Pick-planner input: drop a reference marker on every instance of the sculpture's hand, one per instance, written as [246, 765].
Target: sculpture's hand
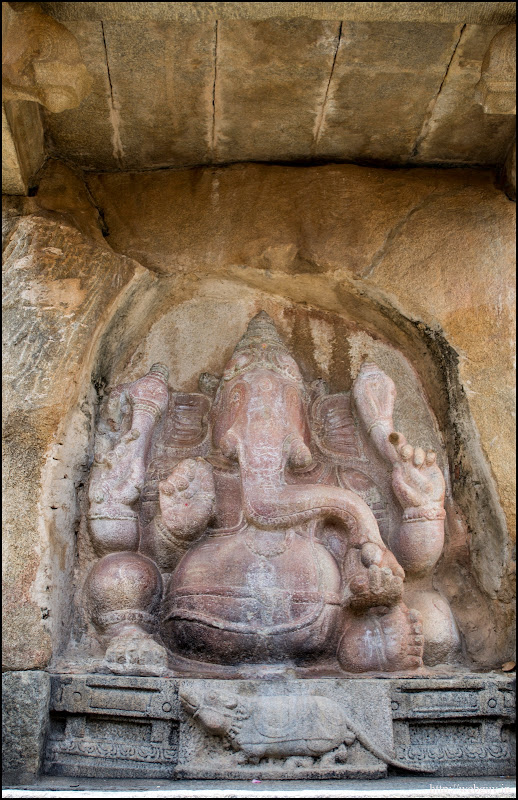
[187, 498]
[372, 577]
[374, 396]
[417, 481]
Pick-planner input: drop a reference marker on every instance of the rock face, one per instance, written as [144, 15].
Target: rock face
[25, 722]
[409, 271]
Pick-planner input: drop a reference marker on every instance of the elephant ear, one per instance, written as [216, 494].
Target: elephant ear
[333, 427]
[363, 485]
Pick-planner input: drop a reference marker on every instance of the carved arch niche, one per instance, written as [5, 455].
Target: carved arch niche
[170, 376]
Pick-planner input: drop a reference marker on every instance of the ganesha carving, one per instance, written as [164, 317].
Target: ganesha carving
[267, 553]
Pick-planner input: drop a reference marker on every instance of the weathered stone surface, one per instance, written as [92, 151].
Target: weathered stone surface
[22, 145]
[456, 127]
[88, 134]
[60, 290]
[173, 123]
[108, 726]
[487, 13]
[283, 89]
[40, 59]
[496, 90]
[124, 125]
[273, 74]
[375, 107]
[25, 720]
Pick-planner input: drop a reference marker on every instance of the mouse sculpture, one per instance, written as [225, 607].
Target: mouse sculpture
[280, 726]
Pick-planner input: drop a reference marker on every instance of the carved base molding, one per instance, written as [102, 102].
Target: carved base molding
[122, 726]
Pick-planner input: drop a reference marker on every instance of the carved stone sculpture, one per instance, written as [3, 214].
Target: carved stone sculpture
[260, 587]
[41, 61]
[255, 502]
[496, 89]
[419, 487]
[125, 588]
[281, 726]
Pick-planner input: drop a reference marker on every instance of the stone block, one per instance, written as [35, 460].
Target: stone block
[281, 728]
[22, 145]
[25, 717]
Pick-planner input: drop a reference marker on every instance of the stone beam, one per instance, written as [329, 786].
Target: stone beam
[476, 13]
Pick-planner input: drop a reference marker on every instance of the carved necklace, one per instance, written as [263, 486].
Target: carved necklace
[257, 541]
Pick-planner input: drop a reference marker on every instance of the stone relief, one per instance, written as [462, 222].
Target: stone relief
[302, 728]
[41, 61]
[248, 525]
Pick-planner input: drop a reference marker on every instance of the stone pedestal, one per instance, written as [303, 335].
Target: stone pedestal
[113, 726]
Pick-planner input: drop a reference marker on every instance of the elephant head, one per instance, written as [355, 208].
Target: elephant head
[259, 419]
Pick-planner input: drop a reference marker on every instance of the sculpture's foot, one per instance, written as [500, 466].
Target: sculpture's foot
[338, 756]
[383, 640]
[300, 762]
[135, 652]
[442, 644]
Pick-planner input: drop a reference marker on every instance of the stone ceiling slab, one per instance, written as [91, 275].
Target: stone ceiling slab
[85, 135]
[162, 79]
[152, 102]
[484, 13]
[458, 129]
[384, 78]
[226, 90]
[270, 87]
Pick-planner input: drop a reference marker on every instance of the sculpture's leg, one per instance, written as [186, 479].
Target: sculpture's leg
[381, 640]
[124, 591]
[442, 644]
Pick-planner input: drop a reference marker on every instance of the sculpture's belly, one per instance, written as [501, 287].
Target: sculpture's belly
[253, 596]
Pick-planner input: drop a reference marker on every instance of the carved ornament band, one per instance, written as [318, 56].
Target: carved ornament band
[148, 407]
[126, 615]
[386, 426]
[421, 514]
[330, 598]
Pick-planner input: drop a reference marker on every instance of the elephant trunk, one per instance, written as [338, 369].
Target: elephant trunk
[271, 503]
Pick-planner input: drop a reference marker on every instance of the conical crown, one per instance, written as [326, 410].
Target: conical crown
[260, 330]
[261, 347]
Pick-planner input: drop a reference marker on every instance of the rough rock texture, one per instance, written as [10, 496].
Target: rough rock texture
[347, 260]
[25, 721]
[235, 89]
[498, 13]
[59, 289]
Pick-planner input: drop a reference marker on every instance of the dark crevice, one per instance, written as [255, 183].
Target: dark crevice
[107, 63]
[425, 128]
[300, 163]
[314, 144]
[213, 130]
[118, 152]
